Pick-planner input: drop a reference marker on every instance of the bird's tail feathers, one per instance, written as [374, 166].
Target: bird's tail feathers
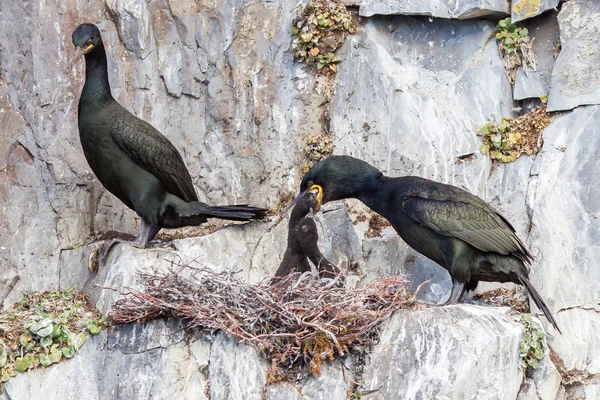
[539, 302]
[238, 212]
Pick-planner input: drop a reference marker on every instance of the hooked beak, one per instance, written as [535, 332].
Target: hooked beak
[319, 191]
[313, 189]
[80, 51]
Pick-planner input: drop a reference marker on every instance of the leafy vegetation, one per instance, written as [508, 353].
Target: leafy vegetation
[531, 347]
[506, 141]
[515, 47]
[320, 29]
[44, 328]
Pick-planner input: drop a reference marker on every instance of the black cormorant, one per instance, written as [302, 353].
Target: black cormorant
[449, 225]
[133, 160]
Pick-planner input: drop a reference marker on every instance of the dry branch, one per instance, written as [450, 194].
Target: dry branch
[296, 322]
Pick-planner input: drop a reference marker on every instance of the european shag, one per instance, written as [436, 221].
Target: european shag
[302, 242]
[449, 225]
[133, 160]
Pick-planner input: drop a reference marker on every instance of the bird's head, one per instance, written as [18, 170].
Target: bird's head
[306, 205]
[86, 38]
[338, 177]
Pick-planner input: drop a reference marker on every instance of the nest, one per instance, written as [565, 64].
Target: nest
[298, 322]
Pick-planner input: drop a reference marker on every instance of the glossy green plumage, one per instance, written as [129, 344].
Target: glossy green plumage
[449, 225]
[133, 160]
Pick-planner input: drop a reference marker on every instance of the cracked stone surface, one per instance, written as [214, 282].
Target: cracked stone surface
[524, 9]
[527, 391]
[575, 77]
[547, 379]
[565, 200]
[435, 8]
[218, 80]
[161, 360]
[490, 363]
[545, 35]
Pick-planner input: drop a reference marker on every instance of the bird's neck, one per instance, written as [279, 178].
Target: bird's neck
[96, 88]
[371, 193]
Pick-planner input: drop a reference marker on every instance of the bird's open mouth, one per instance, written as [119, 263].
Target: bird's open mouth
[314, 189]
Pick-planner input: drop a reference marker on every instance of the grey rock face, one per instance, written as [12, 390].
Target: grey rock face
[524, 9]
[576, 78]
[491, 364]
[388, 255]
[132, 366]
[547, 379]
[159, 360]
[450, 73]
[237, 372]
[545, 34]
[214, 78]
[527, 391]
[566, 200]
[218, 80]
[435, 8]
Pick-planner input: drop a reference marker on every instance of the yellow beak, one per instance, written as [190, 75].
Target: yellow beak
[79, 51]
[319, 191]
[313, 189]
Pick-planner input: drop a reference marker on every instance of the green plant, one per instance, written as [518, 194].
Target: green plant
[510, 35]
[515, 47]
[532, 346]
[320, 29]
[44, 328]
[505, 142]
[498, 142]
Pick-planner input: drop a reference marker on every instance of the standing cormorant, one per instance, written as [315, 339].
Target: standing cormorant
[449, 225]
[302, 242]
[133, 160]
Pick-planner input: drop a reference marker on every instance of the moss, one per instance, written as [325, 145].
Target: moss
[526, 8]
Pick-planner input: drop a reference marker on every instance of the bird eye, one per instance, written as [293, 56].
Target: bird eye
[309, 184]
[89, 42]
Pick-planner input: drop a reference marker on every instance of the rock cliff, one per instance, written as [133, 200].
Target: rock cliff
[218, 79]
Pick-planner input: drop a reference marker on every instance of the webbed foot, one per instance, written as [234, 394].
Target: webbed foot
[99, 255]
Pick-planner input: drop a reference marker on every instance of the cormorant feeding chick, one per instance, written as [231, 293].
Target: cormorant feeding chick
[133, 160]
[302, 242]
[449, 225]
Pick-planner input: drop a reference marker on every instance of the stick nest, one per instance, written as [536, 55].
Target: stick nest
[298, 322]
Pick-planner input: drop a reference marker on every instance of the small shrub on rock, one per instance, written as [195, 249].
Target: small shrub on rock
[320, 29]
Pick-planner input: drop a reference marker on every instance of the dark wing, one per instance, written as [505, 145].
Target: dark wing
[154, 153]
[454, 212]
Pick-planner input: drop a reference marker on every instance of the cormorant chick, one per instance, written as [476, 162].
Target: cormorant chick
[302, 243]
[449, 225]
[133, 160]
